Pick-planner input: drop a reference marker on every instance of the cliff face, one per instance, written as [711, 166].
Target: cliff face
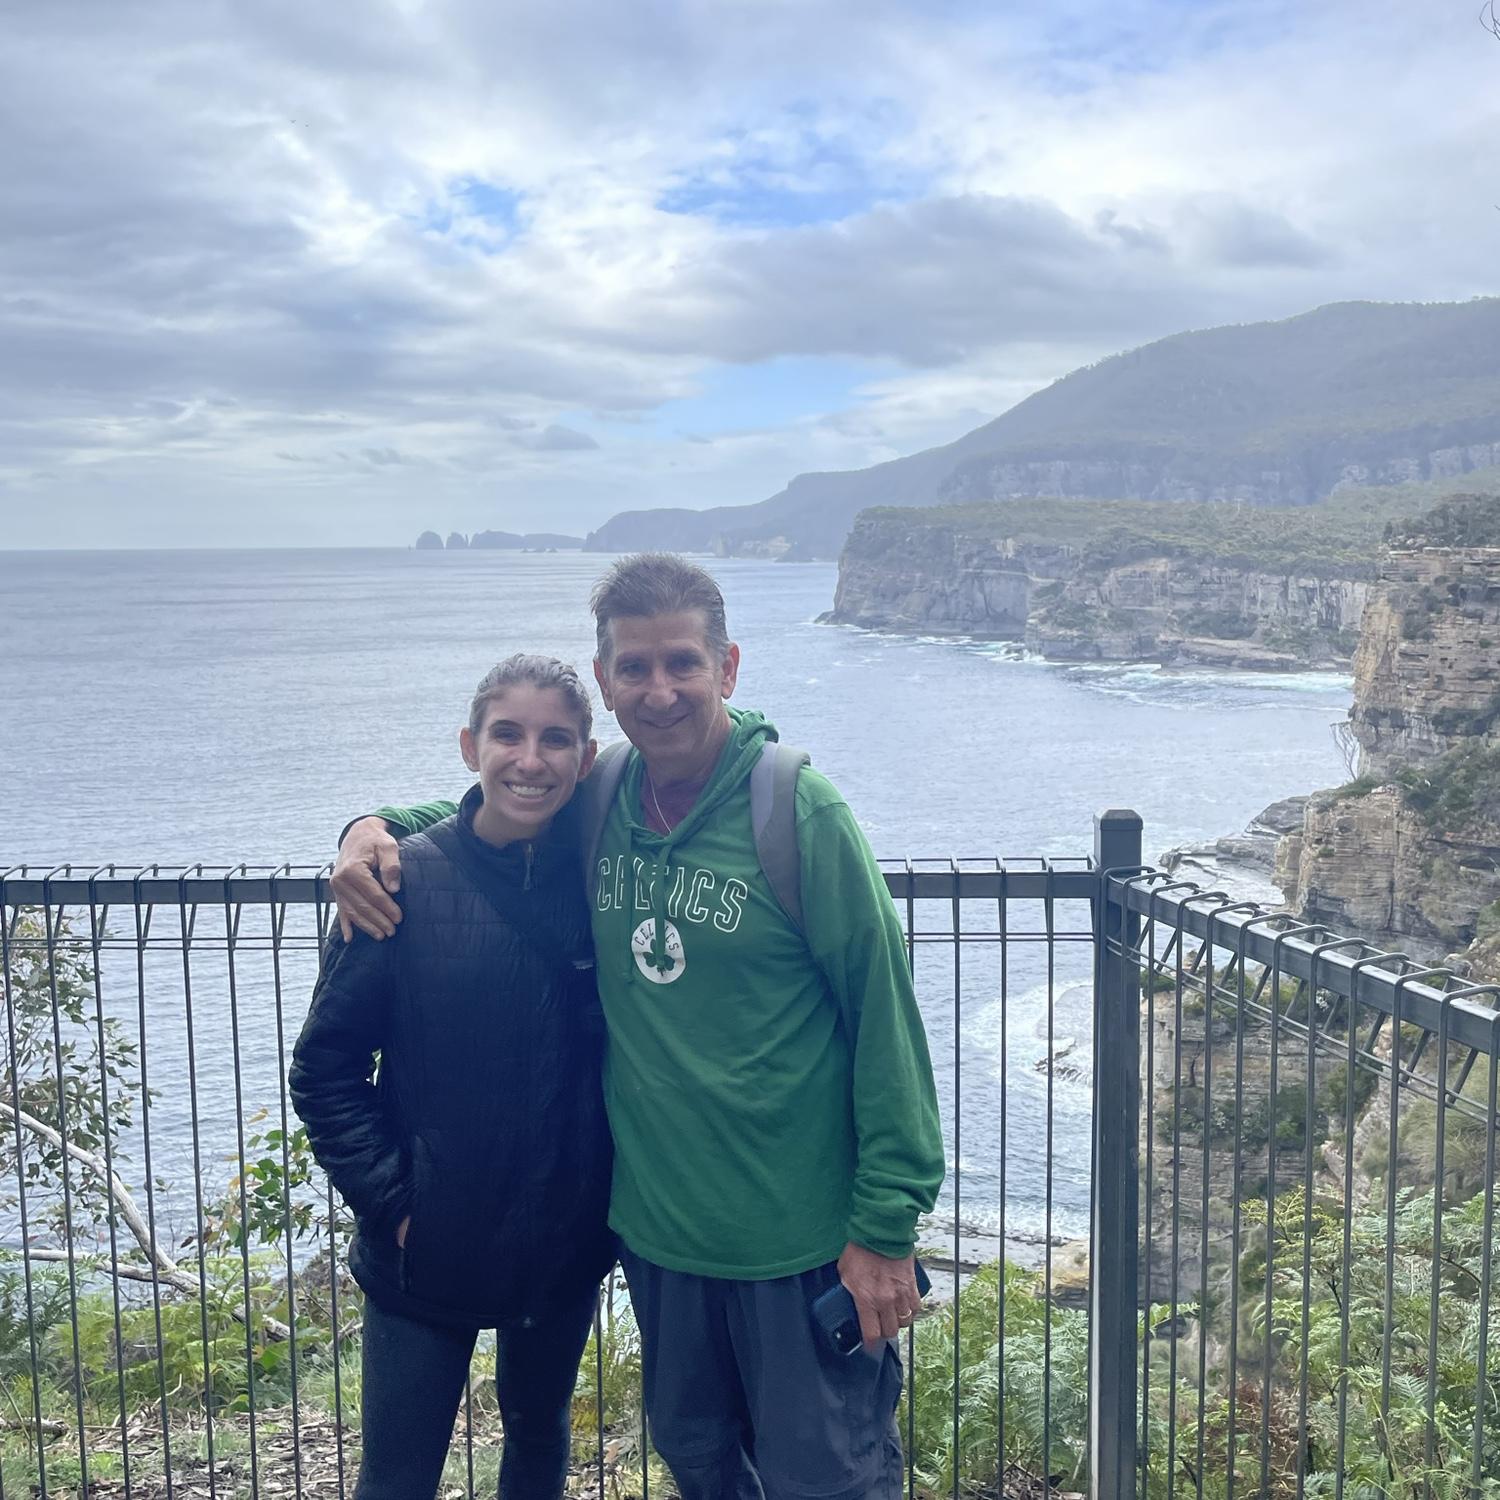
[1427, 669]
[1164, 473]
[1412, 847]
[1068, 604]
[1190, 609]
[1373, 863]
[931, 578]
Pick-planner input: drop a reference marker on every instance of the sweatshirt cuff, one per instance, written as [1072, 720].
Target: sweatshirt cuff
[894, 1240]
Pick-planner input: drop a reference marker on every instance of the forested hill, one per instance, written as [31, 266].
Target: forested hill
[1270, 413]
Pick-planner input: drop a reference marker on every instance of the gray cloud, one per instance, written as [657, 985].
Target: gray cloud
[556, 439]
[1227, 231]
[232, 264]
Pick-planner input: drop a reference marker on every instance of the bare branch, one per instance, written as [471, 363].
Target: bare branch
[1489, 18]
[167, 1271]
[126, 1205]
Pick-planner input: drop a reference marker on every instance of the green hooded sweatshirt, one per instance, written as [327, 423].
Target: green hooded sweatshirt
[769, 1090]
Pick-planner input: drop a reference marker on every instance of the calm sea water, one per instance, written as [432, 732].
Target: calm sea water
[240, 706]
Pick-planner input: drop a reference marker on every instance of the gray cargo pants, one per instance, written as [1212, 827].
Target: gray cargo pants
[745, 1400]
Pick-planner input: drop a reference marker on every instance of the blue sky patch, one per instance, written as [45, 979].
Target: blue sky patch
[470, 198]
[774, 393]
[798, 173]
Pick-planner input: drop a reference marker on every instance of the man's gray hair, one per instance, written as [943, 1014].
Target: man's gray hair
[658, 583]
[539, 671]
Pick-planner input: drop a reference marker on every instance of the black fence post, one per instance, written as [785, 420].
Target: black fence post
[1114, 1251]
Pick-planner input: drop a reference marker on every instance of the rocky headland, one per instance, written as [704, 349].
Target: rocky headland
[1410, 849]
[1117, 581]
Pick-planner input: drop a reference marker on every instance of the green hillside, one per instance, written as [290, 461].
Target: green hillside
[1284, 413]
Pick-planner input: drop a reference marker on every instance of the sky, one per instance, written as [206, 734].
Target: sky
[282, 274]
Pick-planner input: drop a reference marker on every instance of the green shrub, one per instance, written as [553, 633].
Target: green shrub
[977, 1456]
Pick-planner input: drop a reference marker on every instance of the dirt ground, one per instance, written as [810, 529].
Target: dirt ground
[320, 1464]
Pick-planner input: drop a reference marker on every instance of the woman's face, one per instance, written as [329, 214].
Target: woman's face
[530, 752]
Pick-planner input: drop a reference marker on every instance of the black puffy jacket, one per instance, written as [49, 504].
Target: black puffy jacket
[485, 1120]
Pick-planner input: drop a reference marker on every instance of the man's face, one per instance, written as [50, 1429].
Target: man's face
[667, 688]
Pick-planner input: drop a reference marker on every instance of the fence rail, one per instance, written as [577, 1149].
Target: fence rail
[1220, 1215]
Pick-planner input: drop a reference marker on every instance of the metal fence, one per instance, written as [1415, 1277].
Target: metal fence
[1219, 1216]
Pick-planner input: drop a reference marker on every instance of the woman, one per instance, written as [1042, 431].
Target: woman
[476, 1156]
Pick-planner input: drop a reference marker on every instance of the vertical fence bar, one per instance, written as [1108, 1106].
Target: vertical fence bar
[1003, 921]
[1114, 1253]
[1047, 909]
[1346, 1266]
[97, 924]
[1308, 1144]
[322, 912]
[10, 985]
[599, 1384]
[1206, 962]
[142, 938]
[1273, 1145]
[187, 914]
[958, 1170]
[56, 933]
[278, 932]
[1429, 1427]
[911, 1334]
[1237, 963]
[1482, 1395]
[231, 936]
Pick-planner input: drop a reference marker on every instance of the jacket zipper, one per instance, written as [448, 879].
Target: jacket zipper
[530, 853]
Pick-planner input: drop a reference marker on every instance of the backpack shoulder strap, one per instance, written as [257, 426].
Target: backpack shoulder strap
[596, 794]
[773, 818]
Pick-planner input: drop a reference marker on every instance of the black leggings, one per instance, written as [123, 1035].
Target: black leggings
[413, 1381]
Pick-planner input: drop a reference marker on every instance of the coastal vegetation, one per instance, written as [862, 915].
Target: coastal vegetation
[1342, 537]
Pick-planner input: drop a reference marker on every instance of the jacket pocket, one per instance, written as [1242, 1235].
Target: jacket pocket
[408, 1254]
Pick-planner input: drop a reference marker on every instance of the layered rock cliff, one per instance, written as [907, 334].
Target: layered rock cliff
[1076, 602]
[894, 576]
[1159, 472]
[1427, 669]
[1411, 847]
[1374, 862]
[1177, 608]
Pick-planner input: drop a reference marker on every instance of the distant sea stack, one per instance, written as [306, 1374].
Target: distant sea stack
[1268, 414]
[530, 541]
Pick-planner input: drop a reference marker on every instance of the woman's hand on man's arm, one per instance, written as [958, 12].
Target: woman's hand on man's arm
[365, 879]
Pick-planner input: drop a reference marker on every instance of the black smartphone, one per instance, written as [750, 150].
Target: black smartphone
[837, 1319]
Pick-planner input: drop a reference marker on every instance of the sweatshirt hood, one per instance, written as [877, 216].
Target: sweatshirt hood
[749, 731]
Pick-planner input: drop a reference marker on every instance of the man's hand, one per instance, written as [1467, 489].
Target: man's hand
[884, 1291]
[367, 874]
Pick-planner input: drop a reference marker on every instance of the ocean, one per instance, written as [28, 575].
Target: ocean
[232, 707]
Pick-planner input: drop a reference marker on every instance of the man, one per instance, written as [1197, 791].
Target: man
[768, 1086]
